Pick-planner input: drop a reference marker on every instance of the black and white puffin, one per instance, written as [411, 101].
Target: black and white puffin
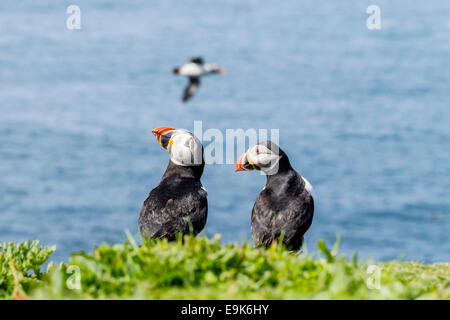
[285, 207]
[195, 69]
[179, 203]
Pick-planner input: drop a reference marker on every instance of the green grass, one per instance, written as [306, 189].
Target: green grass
[201, 268]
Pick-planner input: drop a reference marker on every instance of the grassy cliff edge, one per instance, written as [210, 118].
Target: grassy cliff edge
[202, 268]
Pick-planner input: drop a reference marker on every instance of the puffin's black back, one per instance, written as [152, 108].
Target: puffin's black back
[284, 207]
[197, 60]
[177, 205]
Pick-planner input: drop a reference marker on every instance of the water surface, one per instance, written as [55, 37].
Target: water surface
[364, 115]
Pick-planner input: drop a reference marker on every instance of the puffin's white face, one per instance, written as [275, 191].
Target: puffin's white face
[184, 148]
[259, 157]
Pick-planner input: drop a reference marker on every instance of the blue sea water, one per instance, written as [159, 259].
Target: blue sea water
[363, 114]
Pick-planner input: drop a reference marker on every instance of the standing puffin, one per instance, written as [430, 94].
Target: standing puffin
[179, 203]
[195, 69]
[285, 207]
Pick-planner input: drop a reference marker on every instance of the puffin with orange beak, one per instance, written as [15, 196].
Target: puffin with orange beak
[179, 203]
[194, 70]
[284, 209]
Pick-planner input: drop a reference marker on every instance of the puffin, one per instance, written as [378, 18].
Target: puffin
[178, 205]
[194, 70]
[284, 209]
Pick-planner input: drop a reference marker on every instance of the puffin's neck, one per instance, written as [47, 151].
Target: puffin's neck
[284, 173]
[192, 172]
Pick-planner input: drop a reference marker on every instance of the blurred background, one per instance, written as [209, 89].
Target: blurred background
[363, 115]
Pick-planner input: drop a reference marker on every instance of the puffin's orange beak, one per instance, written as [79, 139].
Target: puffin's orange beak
[222, 71]
[239, 163]
[242, 163]
[158, 132]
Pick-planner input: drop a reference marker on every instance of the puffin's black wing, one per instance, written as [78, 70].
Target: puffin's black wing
[192, 87]
[180, 207]
[289, 216]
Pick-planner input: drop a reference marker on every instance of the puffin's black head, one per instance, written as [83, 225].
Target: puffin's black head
[197, 60]
[184, 148]
[265, 156]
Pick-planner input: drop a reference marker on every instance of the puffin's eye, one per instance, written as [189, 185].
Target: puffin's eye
[248, 166]
[261, 150]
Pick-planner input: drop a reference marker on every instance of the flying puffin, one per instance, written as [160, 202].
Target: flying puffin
[195, 69]
[285, 207]
[179, 203]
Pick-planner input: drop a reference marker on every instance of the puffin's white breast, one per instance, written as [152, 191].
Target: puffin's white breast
[191, 70]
